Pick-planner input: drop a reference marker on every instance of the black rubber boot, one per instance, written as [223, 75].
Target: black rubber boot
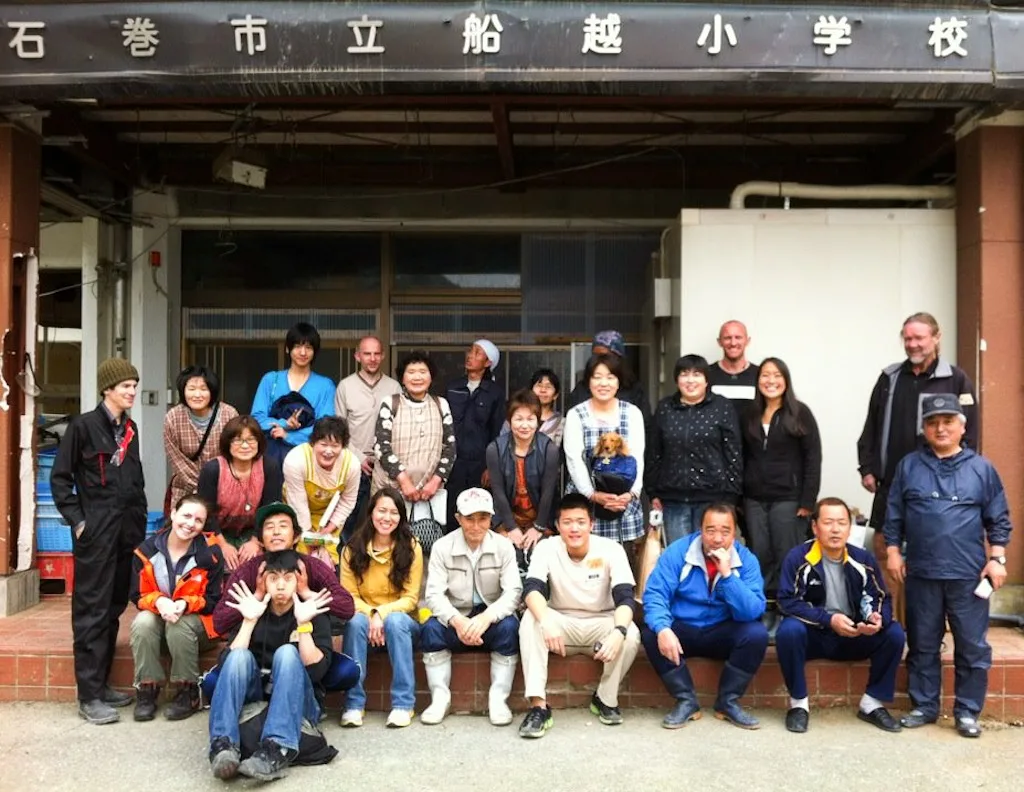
[679, 684]
[731, 687]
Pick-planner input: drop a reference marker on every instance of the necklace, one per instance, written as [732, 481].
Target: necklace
[244, 487]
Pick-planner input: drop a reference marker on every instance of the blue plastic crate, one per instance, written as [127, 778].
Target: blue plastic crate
[43, 490]
[53, 536]
[154, 522]
[47, 511]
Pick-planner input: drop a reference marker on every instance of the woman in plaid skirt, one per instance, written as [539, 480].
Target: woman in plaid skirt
[618, 517]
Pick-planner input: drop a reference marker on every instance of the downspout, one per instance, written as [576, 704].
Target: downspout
[26, 438]
[120, 345]
[826, 192]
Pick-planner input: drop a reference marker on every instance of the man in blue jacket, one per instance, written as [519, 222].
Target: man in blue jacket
[836, 607]
[705, 598]
[944, 503]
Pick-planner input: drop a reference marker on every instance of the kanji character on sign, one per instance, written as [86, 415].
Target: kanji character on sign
[716, 42]
[602, 36]
[27, 45]
[368, 45]
[482, 35]
[140, 36]
[947, 37]
[832, 33]
[254, 33]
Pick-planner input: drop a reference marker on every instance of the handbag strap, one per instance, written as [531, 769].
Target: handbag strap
[206, 435]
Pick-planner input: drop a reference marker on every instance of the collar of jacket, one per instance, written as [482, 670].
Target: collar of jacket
[695, 554]
[942, 369]
[459, 546]
[486, 383]
[815, 554]
[934, 461]
[679, 404]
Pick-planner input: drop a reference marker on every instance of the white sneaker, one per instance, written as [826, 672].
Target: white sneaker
[352, 718]
[399, 718]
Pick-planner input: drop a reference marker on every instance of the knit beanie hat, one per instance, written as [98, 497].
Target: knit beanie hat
[493, 355]
[114, 371]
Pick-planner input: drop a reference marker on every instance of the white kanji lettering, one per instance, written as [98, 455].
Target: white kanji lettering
[253, 31]
[27, 45]
[602, 36]
[947, 37]
[482, 35]
[716, 42]
[369, 44]
[140, 36]
[832, 33]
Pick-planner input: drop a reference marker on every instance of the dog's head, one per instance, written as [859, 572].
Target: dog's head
[611, 444]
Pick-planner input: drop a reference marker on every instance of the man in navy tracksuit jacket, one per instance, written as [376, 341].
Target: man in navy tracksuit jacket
[836, 607]
[944, 503]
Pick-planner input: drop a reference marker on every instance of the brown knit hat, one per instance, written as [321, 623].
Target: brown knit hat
[114, 371]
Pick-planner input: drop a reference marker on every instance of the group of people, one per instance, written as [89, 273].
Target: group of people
[468, 541]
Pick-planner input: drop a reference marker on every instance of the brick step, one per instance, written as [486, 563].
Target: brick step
[33, 676]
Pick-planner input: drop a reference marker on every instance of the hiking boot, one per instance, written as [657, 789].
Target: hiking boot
[224, 758]
[268, 762]
[115, 698]
[609, 716]
[537, 721]
[186, 702]
[97, 712]
[145, 701]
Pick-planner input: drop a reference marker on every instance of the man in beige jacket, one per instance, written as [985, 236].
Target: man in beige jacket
[473, 589]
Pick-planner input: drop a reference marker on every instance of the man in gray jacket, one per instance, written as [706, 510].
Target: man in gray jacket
[473, 590]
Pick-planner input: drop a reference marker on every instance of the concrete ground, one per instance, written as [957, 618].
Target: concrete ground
[47, 747]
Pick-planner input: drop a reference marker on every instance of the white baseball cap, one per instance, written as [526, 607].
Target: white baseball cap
[474, 501]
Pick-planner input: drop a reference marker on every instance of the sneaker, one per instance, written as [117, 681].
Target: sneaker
[399, 718]
[97, 712]
[352, 718]
[609, 716]
[186, 702]
[145, 702]
[268, 762]
[537, 721]
[224, 758]
[115, 698]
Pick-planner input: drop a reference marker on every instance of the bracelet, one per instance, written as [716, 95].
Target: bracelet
[623, 630]
[304, 628]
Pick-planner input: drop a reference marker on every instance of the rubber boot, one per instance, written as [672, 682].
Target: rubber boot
[439, 677]
[145, 701]
[503, 671]
[731, 687]
[679, 684]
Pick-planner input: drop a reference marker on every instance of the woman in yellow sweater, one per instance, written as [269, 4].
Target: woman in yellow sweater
[382, 568]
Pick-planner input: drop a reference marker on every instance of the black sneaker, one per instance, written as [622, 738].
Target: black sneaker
[97, 712]
[609, 716]
[537, 721]
[115, 698]
[270, 761]
[224, 758]
[186, 702]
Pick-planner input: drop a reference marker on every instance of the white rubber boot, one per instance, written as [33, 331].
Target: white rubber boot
[503, 671]
[439, 677]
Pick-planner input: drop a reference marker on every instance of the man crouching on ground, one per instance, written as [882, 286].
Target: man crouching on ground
[280, 652]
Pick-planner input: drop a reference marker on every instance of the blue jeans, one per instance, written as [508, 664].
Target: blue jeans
[929, 604]
[240, 682]
[501, 637]
[352, 522]
[681, 519]
[401, 633]
[796, 643]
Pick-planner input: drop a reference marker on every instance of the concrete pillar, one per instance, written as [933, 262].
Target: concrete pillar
[990, 297]
[20, 174]
[150, 344]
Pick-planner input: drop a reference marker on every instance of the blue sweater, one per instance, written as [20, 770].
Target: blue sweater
[318, 391]
[678, 588]
[944, 509]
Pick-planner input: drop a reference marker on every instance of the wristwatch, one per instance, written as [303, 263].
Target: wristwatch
[304, 628]
[622, 630]
[998, 559]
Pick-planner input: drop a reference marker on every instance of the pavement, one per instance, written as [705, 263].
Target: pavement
[46, 746]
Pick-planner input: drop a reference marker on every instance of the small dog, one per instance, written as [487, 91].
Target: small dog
[611, 444]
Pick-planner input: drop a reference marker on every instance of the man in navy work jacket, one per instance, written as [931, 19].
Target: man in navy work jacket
[836, 607]
[705, 598]
[945, 501]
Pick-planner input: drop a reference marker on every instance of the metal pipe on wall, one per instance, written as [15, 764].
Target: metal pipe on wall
[827, 192]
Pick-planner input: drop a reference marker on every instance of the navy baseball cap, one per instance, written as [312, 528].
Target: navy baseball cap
[940, 404]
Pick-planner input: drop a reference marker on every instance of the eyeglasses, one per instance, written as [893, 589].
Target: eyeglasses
[243, 441]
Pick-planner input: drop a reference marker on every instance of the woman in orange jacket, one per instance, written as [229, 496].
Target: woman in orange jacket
[176, 582]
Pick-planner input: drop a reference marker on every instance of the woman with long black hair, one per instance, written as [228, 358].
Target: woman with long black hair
[781, 471]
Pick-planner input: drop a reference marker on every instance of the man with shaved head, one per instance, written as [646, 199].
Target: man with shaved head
[734, 377]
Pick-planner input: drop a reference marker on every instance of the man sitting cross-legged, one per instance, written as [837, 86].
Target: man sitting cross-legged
[280, 653]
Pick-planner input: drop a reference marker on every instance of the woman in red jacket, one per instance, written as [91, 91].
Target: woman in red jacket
[176, 582]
